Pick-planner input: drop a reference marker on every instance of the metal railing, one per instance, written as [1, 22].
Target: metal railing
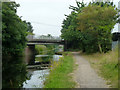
[42, 37]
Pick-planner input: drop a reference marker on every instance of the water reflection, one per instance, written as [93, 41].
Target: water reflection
[37, 79]
[56, 57]
[13, 72]
[38, 76]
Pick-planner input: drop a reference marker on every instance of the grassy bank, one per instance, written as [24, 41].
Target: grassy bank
[106, 65]
[60, 73]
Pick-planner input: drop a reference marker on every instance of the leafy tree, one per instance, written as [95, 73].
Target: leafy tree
[69, 32]
[89, 27]
[98, 21]
[30, 28]
[14, 32]
[80, 6]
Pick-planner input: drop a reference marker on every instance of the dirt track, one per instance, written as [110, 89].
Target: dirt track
[85, 76]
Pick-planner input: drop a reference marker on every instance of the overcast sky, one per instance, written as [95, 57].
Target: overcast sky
[46, 16]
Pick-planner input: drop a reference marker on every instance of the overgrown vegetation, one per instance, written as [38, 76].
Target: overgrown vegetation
[106, 65]
[59, 75]
[14, 32]
[47, 49]
[40, 49]
[44, 50]
[88, 27]
[44, 60]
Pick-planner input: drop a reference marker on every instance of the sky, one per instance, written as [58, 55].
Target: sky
[46, 16]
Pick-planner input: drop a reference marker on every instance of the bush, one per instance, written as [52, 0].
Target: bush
[40, 49]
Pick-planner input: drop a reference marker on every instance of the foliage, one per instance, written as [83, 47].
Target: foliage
[69, 32]
[29, 28]
[44, 50]
[13, 72]
[50, 49]
[99, 25]
[46, 36]
[41, 49]
[89, 27]
[14, 32]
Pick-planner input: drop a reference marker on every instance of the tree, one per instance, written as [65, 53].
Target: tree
[69, 32]
[89, 27]
[98, 21]
[30, 28]
[14, 32]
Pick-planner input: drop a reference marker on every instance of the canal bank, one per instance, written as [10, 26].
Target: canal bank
[61, 73]
[36, 75]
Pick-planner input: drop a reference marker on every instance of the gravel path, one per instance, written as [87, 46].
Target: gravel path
[85, 76]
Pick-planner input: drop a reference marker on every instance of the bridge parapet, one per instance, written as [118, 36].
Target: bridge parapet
[44, 38]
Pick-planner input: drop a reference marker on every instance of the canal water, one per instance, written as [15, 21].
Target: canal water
[38, 77]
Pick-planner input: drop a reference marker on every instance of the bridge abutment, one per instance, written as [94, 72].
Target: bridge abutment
[30, 54]
[65, 46]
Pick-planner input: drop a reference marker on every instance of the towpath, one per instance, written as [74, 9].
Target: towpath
[85, 76]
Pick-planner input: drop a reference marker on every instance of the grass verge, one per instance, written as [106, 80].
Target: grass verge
[106, 65]
[60, 73]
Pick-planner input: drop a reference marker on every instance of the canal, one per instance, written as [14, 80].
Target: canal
[38, 77]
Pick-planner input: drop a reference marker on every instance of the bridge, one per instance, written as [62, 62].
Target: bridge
[33, 40]
[40, 40]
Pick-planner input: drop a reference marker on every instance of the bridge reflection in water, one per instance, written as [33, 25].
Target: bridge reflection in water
[41, 40]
